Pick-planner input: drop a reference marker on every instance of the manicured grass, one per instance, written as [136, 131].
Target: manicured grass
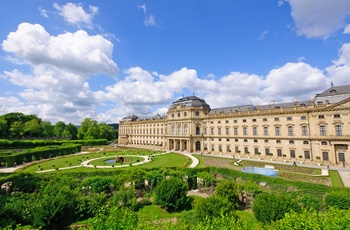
[152, 212]
[201, 162]
[335, 179]
[248, 217]
[167, 160]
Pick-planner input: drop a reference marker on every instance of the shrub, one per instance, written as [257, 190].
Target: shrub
[213, 206]
[339, 200]
[171, 193]
[228, 190]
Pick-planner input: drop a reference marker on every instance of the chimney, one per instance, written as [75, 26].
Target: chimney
[331, 83]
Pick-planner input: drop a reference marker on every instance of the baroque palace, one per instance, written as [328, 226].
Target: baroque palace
[309, 131]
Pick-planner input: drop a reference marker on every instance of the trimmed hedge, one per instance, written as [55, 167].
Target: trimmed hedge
[7, 144]
[39, 153]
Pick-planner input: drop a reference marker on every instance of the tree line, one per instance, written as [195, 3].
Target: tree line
[22, 126]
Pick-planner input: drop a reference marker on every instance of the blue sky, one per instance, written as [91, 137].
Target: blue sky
[66, 61]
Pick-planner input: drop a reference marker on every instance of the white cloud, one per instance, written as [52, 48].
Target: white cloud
[319, 18]
[75, 15]
[43, 12]
[341, 68]
[150, 19]
[262, 35]
[347, 29]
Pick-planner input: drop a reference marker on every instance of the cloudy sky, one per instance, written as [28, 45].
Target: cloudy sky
[103, 59]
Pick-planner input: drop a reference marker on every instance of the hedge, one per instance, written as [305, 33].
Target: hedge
[39, 153]
[7, 144]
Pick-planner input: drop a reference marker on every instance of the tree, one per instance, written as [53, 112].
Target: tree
[213, 206]
[88, 129]
[272, 207]
[32, 128]
[228, 190]
[106, 132]
[60, 126]
[47, 129]
[72, 131]
[171, 193]
[16, 129]
[3, 128]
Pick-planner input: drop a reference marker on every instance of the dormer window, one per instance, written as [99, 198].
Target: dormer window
[333, 91]
[320, 102]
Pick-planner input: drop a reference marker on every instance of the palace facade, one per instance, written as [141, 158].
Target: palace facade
[316, 131]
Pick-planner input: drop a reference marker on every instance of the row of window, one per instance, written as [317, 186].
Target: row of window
[197, 113]
[304, 131]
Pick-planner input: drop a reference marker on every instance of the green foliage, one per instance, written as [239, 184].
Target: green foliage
[171, 193]
[338, 199]
[306, 220]
[214, 206]
[97, 184]
[116, 218]
[228, 190]
[125, 197]
[272, 207]
[89, 205]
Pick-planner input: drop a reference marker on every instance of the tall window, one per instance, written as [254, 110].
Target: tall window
[304, 131]
[338, 130]
[255, 132]
[307, 154]
[292, 153]
[278, 131]
[227, 131]
[267, 151]
[198, 130]
[256, 151]
[173, 130]
[179, 130]
[211, 131]
[322, 130]
[246, 150]
[290, 131]
[279, 152]
[266, 131]
[235, 131]
[325, 156]
[205, 131]
[219, 131]
[244, 130]
[185, 130]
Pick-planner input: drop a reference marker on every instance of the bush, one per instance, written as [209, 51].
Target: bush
[228, 190]
[339, 200]
[213, 206]
[272, 207]
[171, 193]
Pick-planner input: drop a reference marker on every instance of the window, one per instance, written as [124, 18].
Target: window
[205, 131]
[255, 132]
[244, 130]
[227, 131]
[236, 140]
[219, 122]
[234, 121]
[278, 141]
[255, 141]
[336, 115]
[179, 130]
[291, 142]
[227, 139]
[172, 115]
[228, 148]
[254, 120]
[322, 130]
[178, 114]
[267, 151]
[307, 154]
[303, 117]
[219, 139]
[198, 130]
[266, 141]
[212, 122]
[236, 149]
[246, 150]
[256, 151]
[211, 131]
[264, 119]
[244, 120]
[227, 121]
[185, 130]
[289, 118]
[325, 156]
[235, 131]
[320, 116]
[279, 152]
[219, 131]
[245, 140]
[212, 147]
[304, 131]
[324, 143]
[197, 113]
[220, 148]
[338, 130]
[185, 114]
[305, 142]
[277, 118]
[290, 131]
[292, 153]
[278, 131]
[266, 131]
[173, 130]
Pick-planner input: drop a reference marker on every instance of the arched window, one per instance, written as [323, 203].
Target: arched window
[324, 143]
[305, 142]
[291, 142]
[179, 130]
[185, 130]
[198, 146]
[198, 130]
[173, 130]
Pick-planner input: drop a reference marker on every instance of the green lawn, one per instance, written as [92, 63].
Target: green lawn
[336, 179]
[129, 159]
[151, 212]
[168, 160]
[248, 217]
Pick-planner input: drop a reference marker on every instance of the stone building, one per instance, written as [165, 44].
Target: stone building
[317, 130]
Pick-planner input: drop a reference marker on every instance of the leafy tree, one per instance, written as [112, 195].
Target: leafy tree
[47, 129]
[32, 128]
[72, 131]
[60, 126]
[3, 127]
[208, 179]
[171, 193]
[272, 207]
[125, 197]
[106, 132]
[88, 206]
[16, 129]
[228, 190]
[88, 129]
